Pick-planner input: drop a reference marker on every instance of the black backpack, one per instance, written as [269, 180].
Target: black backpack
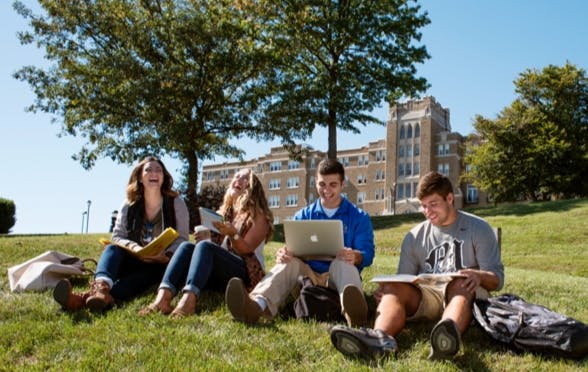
[317, 302]
[529, 327]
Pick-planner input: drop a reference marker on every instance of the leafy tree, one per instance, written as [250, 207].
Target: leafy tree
[537, 146]
[7, 215]
[151, 77]
[211, 197]
[339, 61]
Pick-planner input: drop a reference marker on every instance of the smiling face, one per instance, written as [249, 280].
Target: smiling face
[329, 187]
[152, 175]
[438, 210]
[240, 182]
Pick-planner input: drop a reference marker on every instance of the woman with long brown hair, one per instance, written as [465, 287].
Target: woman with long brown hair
[237, 251]
[150, 207]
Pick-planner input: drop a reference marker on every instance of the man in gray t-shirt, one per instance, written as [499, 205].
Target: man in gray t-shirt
[449, 241]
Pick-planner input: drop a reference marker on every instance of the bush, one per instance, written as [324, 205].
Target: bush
[7, 215]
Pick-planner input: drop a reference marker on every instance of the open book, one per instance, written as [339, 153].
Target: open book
[155, 247]
[429, 279]
[208, 216]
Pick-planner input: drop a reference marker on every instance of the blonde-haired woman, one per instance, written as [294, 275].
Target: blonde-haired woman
[238, 251]
[150, 207]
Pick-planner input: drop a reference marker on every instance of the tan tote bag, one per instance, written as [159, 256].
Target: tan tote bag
[45, 270]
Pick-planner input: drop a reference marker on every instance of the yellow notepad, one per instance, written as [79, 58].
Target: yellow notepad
[155, 247]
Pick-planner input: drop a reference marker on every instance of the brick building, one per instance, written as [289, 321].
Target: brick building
[381, 176]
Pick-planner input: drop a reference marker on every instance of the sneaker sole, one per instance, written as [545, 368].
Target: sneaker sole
[61, 293]
[355, 306]
[349, 344]
[234, 299]
[444, 340]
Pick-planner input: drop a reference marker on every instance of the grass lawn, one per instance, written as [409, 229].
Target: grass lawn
[544, 249]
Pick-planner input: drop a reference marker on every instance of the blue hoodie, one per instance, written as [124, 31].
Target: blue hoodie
[358, 232]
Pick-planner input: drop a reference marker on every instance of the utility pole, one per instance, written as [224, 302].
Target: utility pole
[83, 217]
[88, 216]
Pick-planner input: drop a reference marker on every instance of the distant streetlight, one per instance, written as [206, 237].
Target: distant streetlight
[83, 217]
[88, 216]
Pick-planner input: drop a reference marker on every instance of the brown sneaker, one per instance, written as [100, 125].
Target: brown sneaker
[354, 306]
[241, 306]
[69, 300]
[100, 298]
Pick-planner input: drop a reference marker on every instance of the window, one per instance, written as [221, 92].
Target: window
[416, 169]
[275, 166]
[379, 194]
[443, 169]
[273, 201]
[402, 132]
[344, 161]
[293, 164]
[400, 191]
[361, 179]
[408, 169]
[224, 174]
[312, 163]
[362, 160]
[401, 170]
[259, 168]
[409, 131]
[311, 181]
[311, 198]
[408, 190]
[274, 184]
[293, 182]
[380, 174]
[380, 155]
[409, 151]
[443, 149]
[417, 149]
[360, 197]
[401, 151]
[472, 194]
[417, 131]
[291, 200]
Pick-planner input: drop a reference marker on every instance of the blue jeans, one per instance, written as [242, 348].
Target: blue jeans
[200, 266]
[128, 275]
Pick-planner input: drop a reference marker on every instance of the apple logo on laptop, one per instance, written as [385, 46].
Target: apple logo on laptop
[314, 238]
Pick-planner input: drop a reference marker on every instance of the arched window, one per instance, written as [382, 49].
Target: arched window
[402, 132]
[409, 131]
[417, 131]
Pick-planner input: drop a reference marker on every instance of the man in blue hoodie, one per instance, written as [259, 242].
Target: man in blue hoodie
[342, 273]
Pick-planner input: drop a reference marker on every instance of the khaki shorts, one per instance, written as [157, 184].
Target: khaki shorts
[434, 300]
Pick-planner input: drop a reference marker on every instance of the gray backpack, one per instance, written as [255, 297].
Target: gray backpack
[529, 327]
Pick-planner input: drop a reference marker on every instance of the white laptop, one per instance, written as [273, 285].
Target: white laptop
[319, 239]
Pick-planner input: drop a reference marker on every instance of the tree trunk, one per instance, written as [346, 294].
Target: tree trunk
[191, 177]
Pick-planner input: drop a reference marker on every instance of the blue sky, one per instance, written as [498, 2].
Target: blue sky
[477, 48]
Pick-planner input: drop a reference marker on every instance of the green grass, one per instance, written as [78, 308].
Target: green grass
[544, 248]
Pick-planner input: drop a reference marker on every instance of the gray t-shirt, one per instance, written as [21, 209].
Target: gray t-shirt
[468, 243]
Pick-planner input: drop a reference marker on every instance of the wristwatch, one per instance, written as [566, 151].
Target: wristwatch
[236, 237]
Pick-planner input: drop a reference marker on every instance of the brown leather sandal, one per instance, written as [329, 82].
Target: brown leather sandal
[161, 304]
[185, 307]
